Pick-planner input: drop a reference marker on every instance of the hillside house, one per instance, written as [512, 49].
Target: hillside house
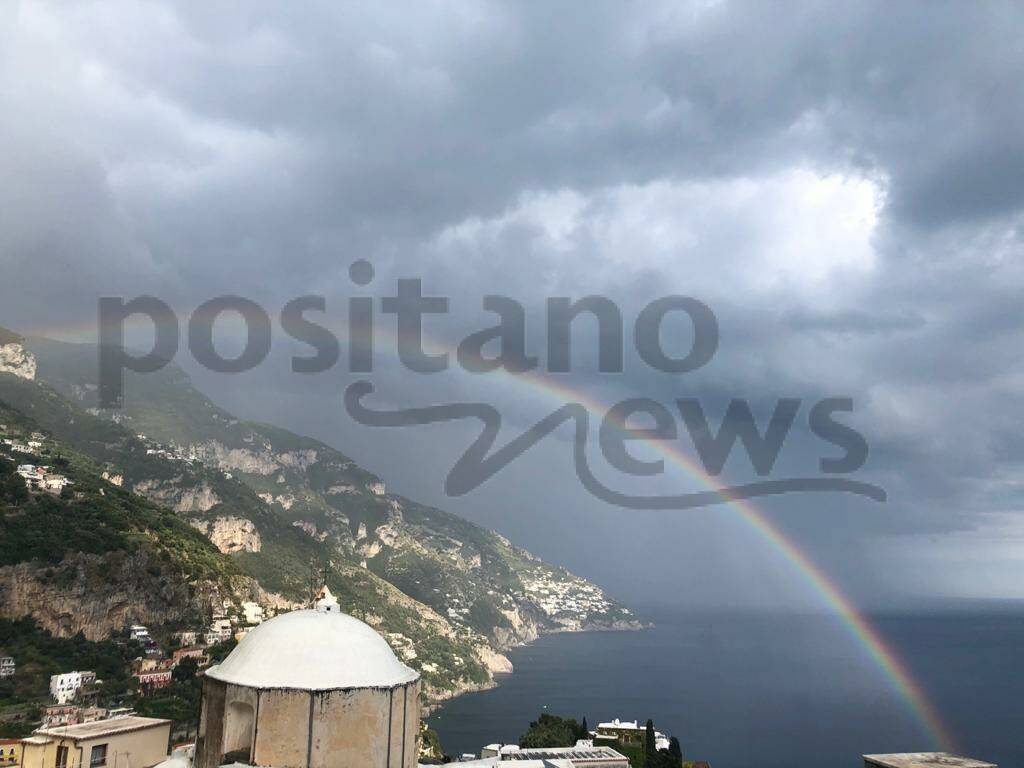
[630, 732]
[193, 652]
[7, 665]
[154, 680]
[10, 751]
[39, 478]
[220, 629]
[135, 741]
[253, 613]
[54, 483]
[55, 715]
[186, 638]
[65, 687]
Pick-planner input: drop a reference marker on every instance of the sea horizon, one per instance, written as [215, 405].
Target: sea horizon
[763, 688]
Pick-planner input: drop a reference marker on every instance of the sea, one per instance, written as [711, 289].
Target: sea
[766, 689]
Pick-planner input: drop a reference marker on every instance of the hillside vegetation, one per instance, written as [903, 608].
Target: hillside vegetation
[277, 507]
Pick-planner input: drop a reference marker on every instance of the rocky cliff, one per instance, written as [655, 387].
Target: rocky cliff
[16, 360]
[102, 594]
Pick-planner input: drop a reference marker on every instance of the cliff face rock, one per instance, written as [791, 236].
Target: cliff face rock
[248, 460]
[496, 663]
[520, 630]
[100, 594]
[231, 534]
[14, 358]
[200, 498]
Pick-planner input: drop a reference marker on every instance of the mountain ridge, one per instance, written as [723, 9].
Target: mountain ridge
[274, 501]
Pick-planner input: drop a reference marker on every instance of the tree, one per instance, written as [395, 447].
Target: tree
[584, 729]
[650, 751]
[186, 670]
[675, 751]
[14, 489]
[550, 731]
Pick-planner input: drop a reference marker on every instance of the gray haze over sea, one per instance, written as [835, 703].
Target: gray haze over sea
[767, 689]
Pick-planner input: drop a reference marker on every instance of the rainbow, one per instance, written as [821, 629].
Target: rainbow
[884, 657]
[888, 661]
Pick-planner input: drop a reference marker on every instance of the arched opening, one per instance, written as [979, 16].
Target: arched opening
[239, 723]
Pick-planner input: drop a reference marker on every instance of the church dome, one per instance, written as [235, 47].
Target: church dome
[313, 650]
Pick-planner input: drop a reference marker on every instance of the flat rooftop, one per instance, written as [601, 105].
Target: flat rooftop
[100, 728]
[568, 753]
[925, 760]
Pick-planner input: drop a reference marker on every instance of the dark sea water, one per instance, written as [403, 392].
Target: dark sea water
[767, 690]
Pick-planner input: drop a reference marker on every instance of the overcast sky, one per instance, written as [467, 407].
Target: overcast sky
[841, 183]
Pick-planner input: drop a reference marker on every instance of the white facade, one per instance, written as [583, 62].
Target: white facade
[253, 613]
[187, 637]
[64, 688]
[220, 630]
[7, 666]
[41, 478]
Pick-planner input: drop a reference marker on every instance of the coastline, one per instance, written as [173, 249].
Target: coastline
[434, 703]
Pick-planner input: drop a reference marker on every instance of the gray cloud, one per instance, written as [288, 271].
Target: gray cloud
[843, 185]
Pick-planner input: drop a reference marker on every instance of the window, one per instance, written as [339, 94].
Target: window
[98, 756]
[62, 757]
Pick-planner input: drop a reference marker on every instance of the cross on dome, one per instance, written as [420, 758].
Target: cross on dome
[325, 601]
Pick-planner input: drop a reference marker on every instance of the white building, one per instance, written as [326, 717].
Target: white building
[7, 666]
[40, 478]
[31, 474]
[630, 732]
[186, 638]
[54, 483]
[312, 688]
[583, 755]
[220, 630]
[139, 633]
[64, 687]
[125, 741]
[253, 613]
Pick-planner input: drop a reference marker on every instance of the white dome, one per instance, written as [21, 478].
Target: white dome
[313, 650]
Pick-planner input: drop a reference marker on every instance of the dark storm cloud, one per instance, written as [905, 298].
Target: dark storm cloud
[841, 183]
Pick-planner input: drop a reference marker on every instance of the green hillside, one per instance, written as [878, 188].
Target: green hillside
[449, 595]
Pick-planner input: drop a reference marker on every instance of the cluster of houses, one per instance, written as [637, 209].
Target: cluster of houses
[73, 697]
[36, 477]
[155, 669]
[153, 674]
[39, 478]
[33, 445]
[570, 601]
[73, 694]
